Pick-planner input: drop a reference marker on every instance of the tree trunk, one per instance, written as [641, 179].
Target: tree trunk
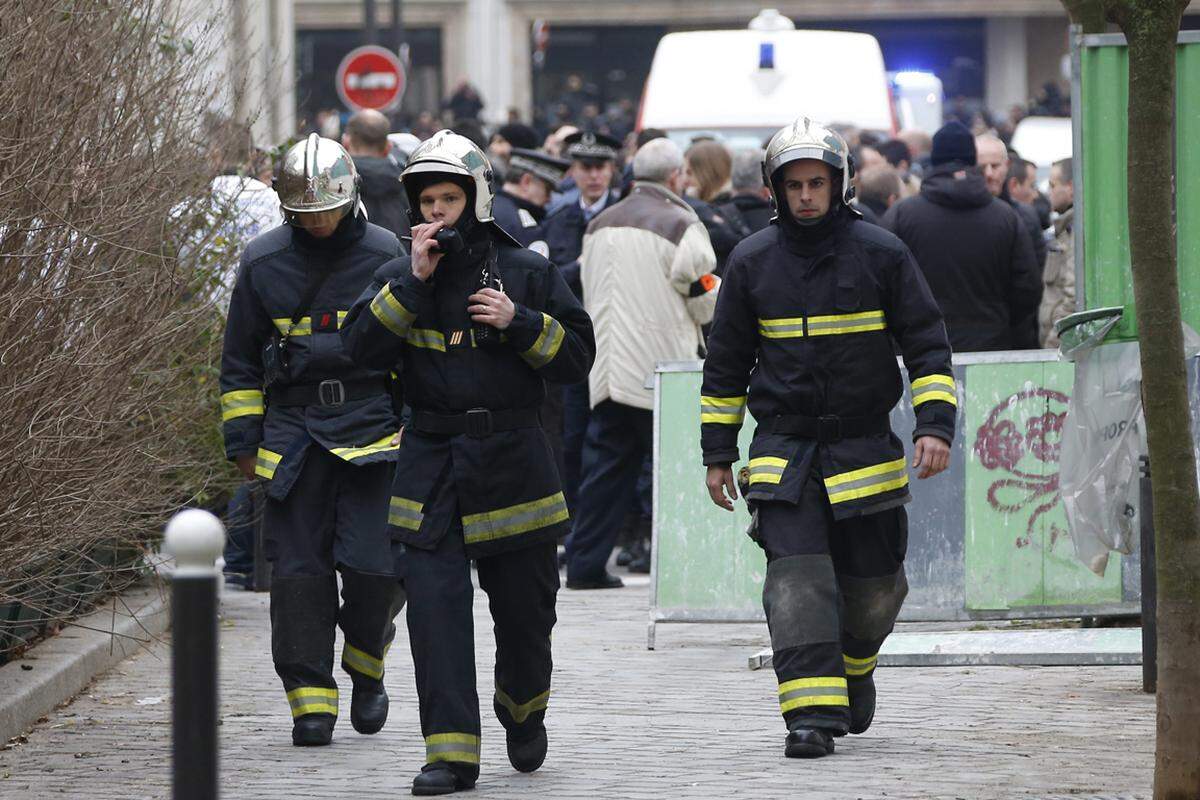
[1151, 28]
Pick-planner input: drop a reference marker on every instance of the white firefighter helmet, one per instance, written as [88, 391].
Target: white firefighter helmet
[807, 139]
[316, 176]
[449, 153]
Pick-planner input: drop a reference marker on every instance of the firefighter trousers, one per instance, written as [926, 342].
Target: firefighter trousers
[334, 520]
[832, 594]
[521, 586]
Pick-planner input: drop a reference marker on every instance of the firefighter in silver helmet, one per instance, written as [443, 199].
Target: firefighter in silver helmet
[803, 340]
[316, 429]
[476, 326]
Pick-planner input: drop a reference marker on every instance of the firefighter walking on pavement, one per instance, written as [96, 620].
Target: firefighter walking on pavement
[803, 338]
[476, 326]
[317, 429]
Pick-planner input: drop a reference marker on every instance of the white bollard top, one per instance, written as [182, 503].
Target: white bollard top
[196, 538]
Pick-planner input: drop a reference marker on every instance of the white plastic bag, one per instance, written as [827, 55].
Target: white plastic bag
[1101, 442]
[1103, 437]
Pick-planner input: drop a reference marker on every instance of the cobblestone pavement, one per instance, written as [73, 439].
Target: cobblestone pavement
[687, 720]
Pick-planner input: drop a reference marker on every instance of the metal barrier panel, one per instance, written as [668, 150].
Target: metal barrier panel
[987, 538]
[1103, 117]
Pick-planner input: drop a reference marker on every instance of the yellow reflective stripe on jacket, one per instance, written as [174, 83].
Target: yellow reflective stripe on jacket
[452, 747]
[546, 346]
[867, 481]
[859, 666]
[391, 313]
[405, 514]
[812, 692]
[241, 403]
[934, 387]
[516, 519]
[767, 469]
[303, 325]
[784, 328]
[723, 410]
[313, 700]
[428, 339]
[267, 461]
[824, 325]
[352, 453]
[846, 323]
[362, 662]
[521, 711]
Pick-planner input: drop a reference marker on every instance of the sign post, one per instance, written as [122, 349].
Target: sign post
[371, 77]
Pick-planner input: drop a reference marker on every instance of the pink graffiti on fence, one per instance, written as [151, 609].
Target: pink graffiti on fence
[1002, 446]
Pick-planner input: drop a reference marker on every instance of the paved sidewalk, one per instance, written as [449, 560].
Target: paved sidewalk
[687, 720]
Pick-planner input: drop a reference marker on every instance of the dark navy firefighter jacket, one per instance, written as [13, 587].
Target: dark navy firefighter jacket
[503, 487]
[271, 282]
[809, 331]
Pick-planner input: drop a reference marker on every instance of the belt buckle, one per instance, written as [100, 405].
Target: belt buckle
[331, 393]
[479, 422]
[829, 428]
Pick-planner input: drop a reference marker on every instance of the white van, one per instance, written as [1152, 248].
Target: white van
[741, 86]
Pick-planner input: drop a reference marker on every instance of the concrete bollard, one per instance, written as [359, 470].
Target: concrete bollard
[195, 538]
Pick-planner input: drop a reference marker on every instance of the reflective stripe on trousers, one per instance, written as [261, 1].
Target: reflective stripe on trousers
[313, 700]
[802, 692]
[452, 747]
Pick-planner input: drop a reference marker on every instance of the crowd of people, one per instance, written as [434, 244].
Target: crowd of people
[477, 366]
[996, 251]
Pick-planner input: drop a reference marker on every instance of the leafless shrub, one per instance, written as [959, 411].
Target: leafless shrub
[110, 247]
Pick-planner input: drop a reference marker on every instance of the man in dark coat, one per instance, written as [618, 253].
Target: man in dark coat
[972, 248]
[520, 206]
[317, 429]
[365, 139]
[750, 207]
[475, 326]
[808, 321]
[996, 164]
[593, 164]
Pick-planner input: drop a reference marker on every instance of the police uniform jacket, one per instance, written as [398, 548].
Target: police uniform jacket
[519, 218]
[564, 229]
[502, 486]
[275, 271]
[810, 330]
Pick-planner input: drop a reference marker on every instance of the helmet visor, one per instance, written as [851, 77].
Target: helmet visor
[317, 220]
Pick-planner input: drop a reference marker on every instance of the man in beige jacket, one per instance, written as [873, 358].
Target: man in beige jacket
[648, 284]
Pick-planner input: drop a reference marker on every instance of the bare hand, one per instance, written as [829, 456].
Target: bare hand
[932, 456]
[719, 481]
[491, 307]
[396, 439]
[246, 464]
[425, 255]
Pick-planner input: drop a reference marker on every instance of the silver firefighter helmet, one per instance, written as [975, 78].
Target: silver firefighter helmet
[317, 176]
[448, 153]
[807, 139]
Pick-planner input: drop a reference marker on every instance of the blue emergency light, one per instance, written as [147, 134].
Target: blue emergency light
[766, 55]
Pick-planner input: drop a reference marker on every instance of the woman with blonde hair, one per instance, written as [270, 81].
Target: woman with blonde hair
[708, 168]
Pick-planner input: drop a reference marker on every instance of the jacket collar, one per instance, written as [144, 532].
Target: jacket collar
[651, 189]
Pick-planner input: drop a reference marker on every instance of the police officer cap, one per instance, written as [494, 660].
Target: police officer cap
[541, 165]
[588, 146]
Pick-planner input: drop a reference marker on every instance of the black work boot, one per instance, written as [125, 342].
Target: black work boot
[368, 707]
[808, 743]
[862, 702]
[439, 779]
[526, 754]
[313, 730]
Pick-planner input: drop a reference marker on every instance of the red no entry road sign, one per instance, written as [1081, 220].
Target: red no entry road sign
[371, 77]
